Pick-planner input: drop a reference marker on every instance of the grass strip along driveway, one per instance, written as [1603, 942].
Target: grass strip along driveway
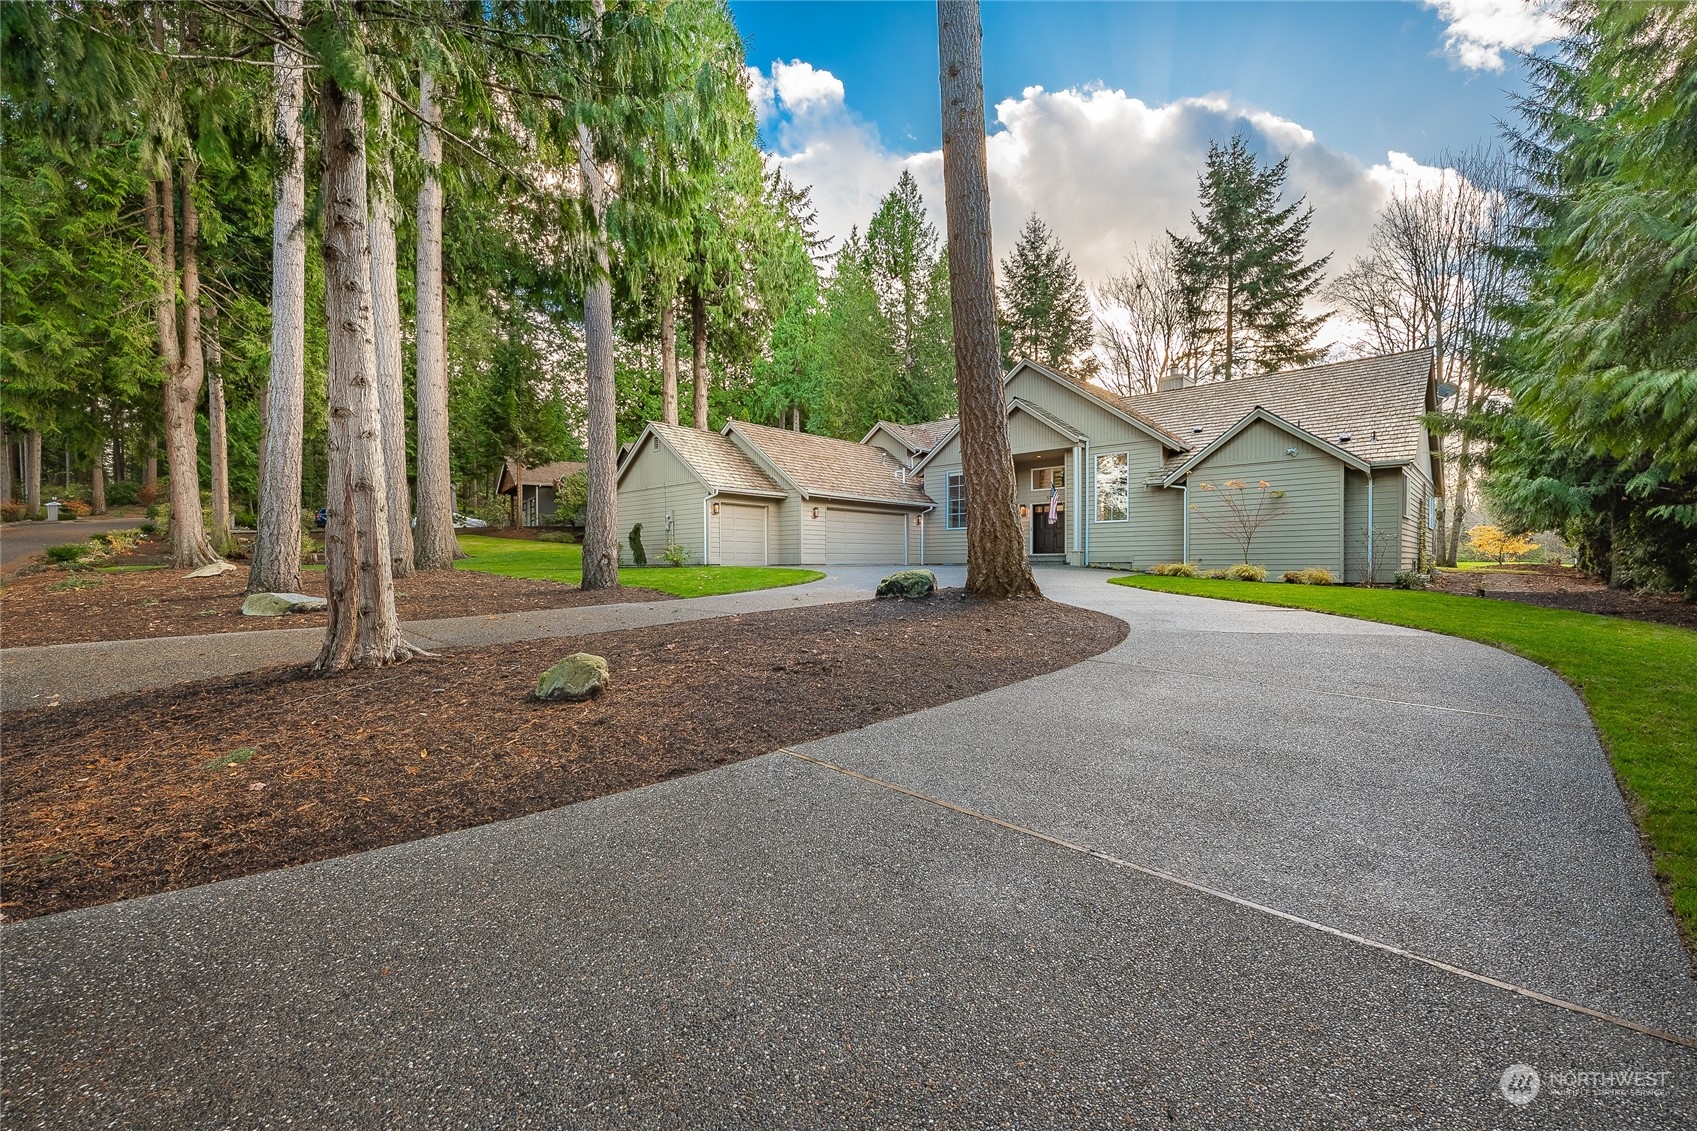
[1636, 680]
[563, 561]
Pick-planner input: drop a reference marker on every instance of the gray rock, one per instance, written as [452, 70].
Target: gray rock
[215, 569]
[578, 677]
[908, 583]
[277, 604]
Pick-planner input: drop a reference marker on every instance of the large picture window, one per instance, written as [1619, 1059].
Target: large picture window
[954, 506]
[1113, 488]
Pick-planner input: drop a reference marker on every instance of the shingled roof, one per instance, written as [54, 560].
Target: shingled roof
[920, 438]
[830, 468]
[715, 460]
[514, 474]
[1375, 401]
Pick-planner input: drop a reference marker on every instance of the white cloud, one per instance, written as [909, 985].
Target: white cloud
[1477, 32]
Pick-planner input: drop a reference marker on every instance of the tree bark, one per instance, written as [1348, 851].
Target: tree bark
[8, 453]
[434, 546]
[601, 509]
[150, 466]
[698, 358]
[97, 486]
[669, 361]
[386, 328]
[32, 473]
[218, 442]
[996, 565]
[182, 360]
[364, 630]
[276, 564]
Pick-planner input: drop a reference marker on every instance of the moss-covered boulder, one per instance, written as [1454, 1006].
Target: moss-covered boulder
[278, 604]
[908, 583]
[578, 677]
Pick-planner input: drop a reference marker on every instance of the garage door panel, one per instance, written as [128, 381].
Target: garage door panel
[864, 537]
[742, 535]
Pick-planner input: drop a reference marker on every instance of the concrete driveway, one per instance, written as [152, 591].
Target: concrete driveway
[1254, 867]
[18, 540]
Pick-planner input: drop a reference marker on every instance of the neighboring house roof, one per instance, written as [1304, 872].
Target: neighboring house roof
[1258, 413]
[917, 438]
[515, 474]
[830, 468]
[716, 461]
[1375, 401]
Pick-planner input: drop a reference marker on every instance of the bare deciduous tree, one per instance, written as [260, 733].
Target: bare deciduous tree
[996, 565]
[1432, 277]
[1142, 324]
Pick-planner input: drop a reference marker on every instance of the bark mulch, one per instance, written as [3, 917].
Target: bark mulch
[154, 791]
[65, 607]
[1563, 587]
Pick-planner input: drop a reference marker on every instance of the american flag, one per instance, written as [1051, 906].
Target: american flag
[1054, 503]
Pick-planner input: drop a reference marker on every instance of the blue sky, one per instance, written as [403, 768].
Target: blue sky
[1100, 114]
[1367, 77]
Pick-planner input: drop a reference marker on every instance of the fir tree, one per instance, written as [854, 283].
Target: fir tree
[1045, 313]
[1242, 275]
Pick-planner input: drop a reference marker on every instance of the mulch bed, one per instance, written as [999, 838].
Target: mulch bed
[148, 603]
[159, 790]
[1562, 587]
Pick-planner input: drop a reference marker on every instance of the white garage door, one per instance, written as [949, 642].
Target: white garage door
[864, 538]
[742, 535]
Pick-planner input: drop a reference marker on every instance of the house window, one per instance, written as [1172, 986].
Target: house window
[1113, 487]
[1043, 478]
[954, 507]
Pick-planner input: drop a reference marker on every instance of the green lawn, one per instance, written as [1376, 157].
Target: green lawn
[563, 561]
[1636, 678]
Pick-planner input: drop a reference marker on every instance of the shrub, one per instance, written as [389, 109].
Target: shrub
[75, 507]
[1312, 576]
[148, 528]
[147, 496]
[12, 512]
[1243, 571]
[637, 553]
[1173, 569]
[1214, 574]
[121, 493]
[245, 519]
[676, 555]
[69, 552]
[159, 511]
[116, 540]
[1411, 579]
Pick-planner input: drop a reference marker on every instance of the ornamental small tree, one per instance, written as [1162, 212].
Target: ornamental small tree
[1243, 510]
[1493, 543]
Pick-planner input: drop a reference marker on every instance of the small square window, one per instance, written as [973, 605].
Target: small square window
[1044, 478]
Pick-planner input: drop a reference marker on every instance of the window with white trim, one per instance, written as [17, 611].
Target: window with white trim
[1043, 478]
[954, 503]
[1113, 487]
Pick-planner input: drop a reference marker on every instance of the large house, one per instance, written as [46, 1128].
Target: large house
[1132, 481]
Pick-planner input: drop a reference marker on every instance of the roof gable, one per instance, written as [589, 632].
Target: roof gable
[716, 462]
[918, 439]
[1101, 397]
[1348, 458]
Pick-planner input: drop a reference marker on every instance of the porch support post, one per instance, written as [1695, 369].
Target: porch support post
[1077, 497]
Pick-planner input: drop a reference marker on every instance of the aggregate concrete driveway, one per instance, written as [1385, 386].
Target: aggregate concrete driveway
[784, 944]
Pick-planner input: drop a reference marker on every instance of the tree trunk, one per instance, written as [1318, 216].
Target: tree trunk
[150, 466]
[996, 565]
[386, 328]
[276, 564]
[97, 485]
[118, 465]
[32, 473]
[364, 631]
[669, 361]
[8, 453]
[434, 546]
[180, 356]
[601, 509]
[698, 360]
[218, 432]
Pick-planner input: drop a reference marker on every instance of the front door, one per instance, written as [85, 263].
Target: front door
[1048, 537]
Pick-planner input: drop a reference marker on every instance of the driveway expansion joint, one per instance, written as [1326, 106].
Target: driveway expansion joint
[1251, 905]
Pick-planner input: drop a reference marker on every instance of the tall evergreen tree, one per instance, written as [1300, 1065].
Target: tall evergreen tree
[905, 267]
[1242, 274]
[1045, 309]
